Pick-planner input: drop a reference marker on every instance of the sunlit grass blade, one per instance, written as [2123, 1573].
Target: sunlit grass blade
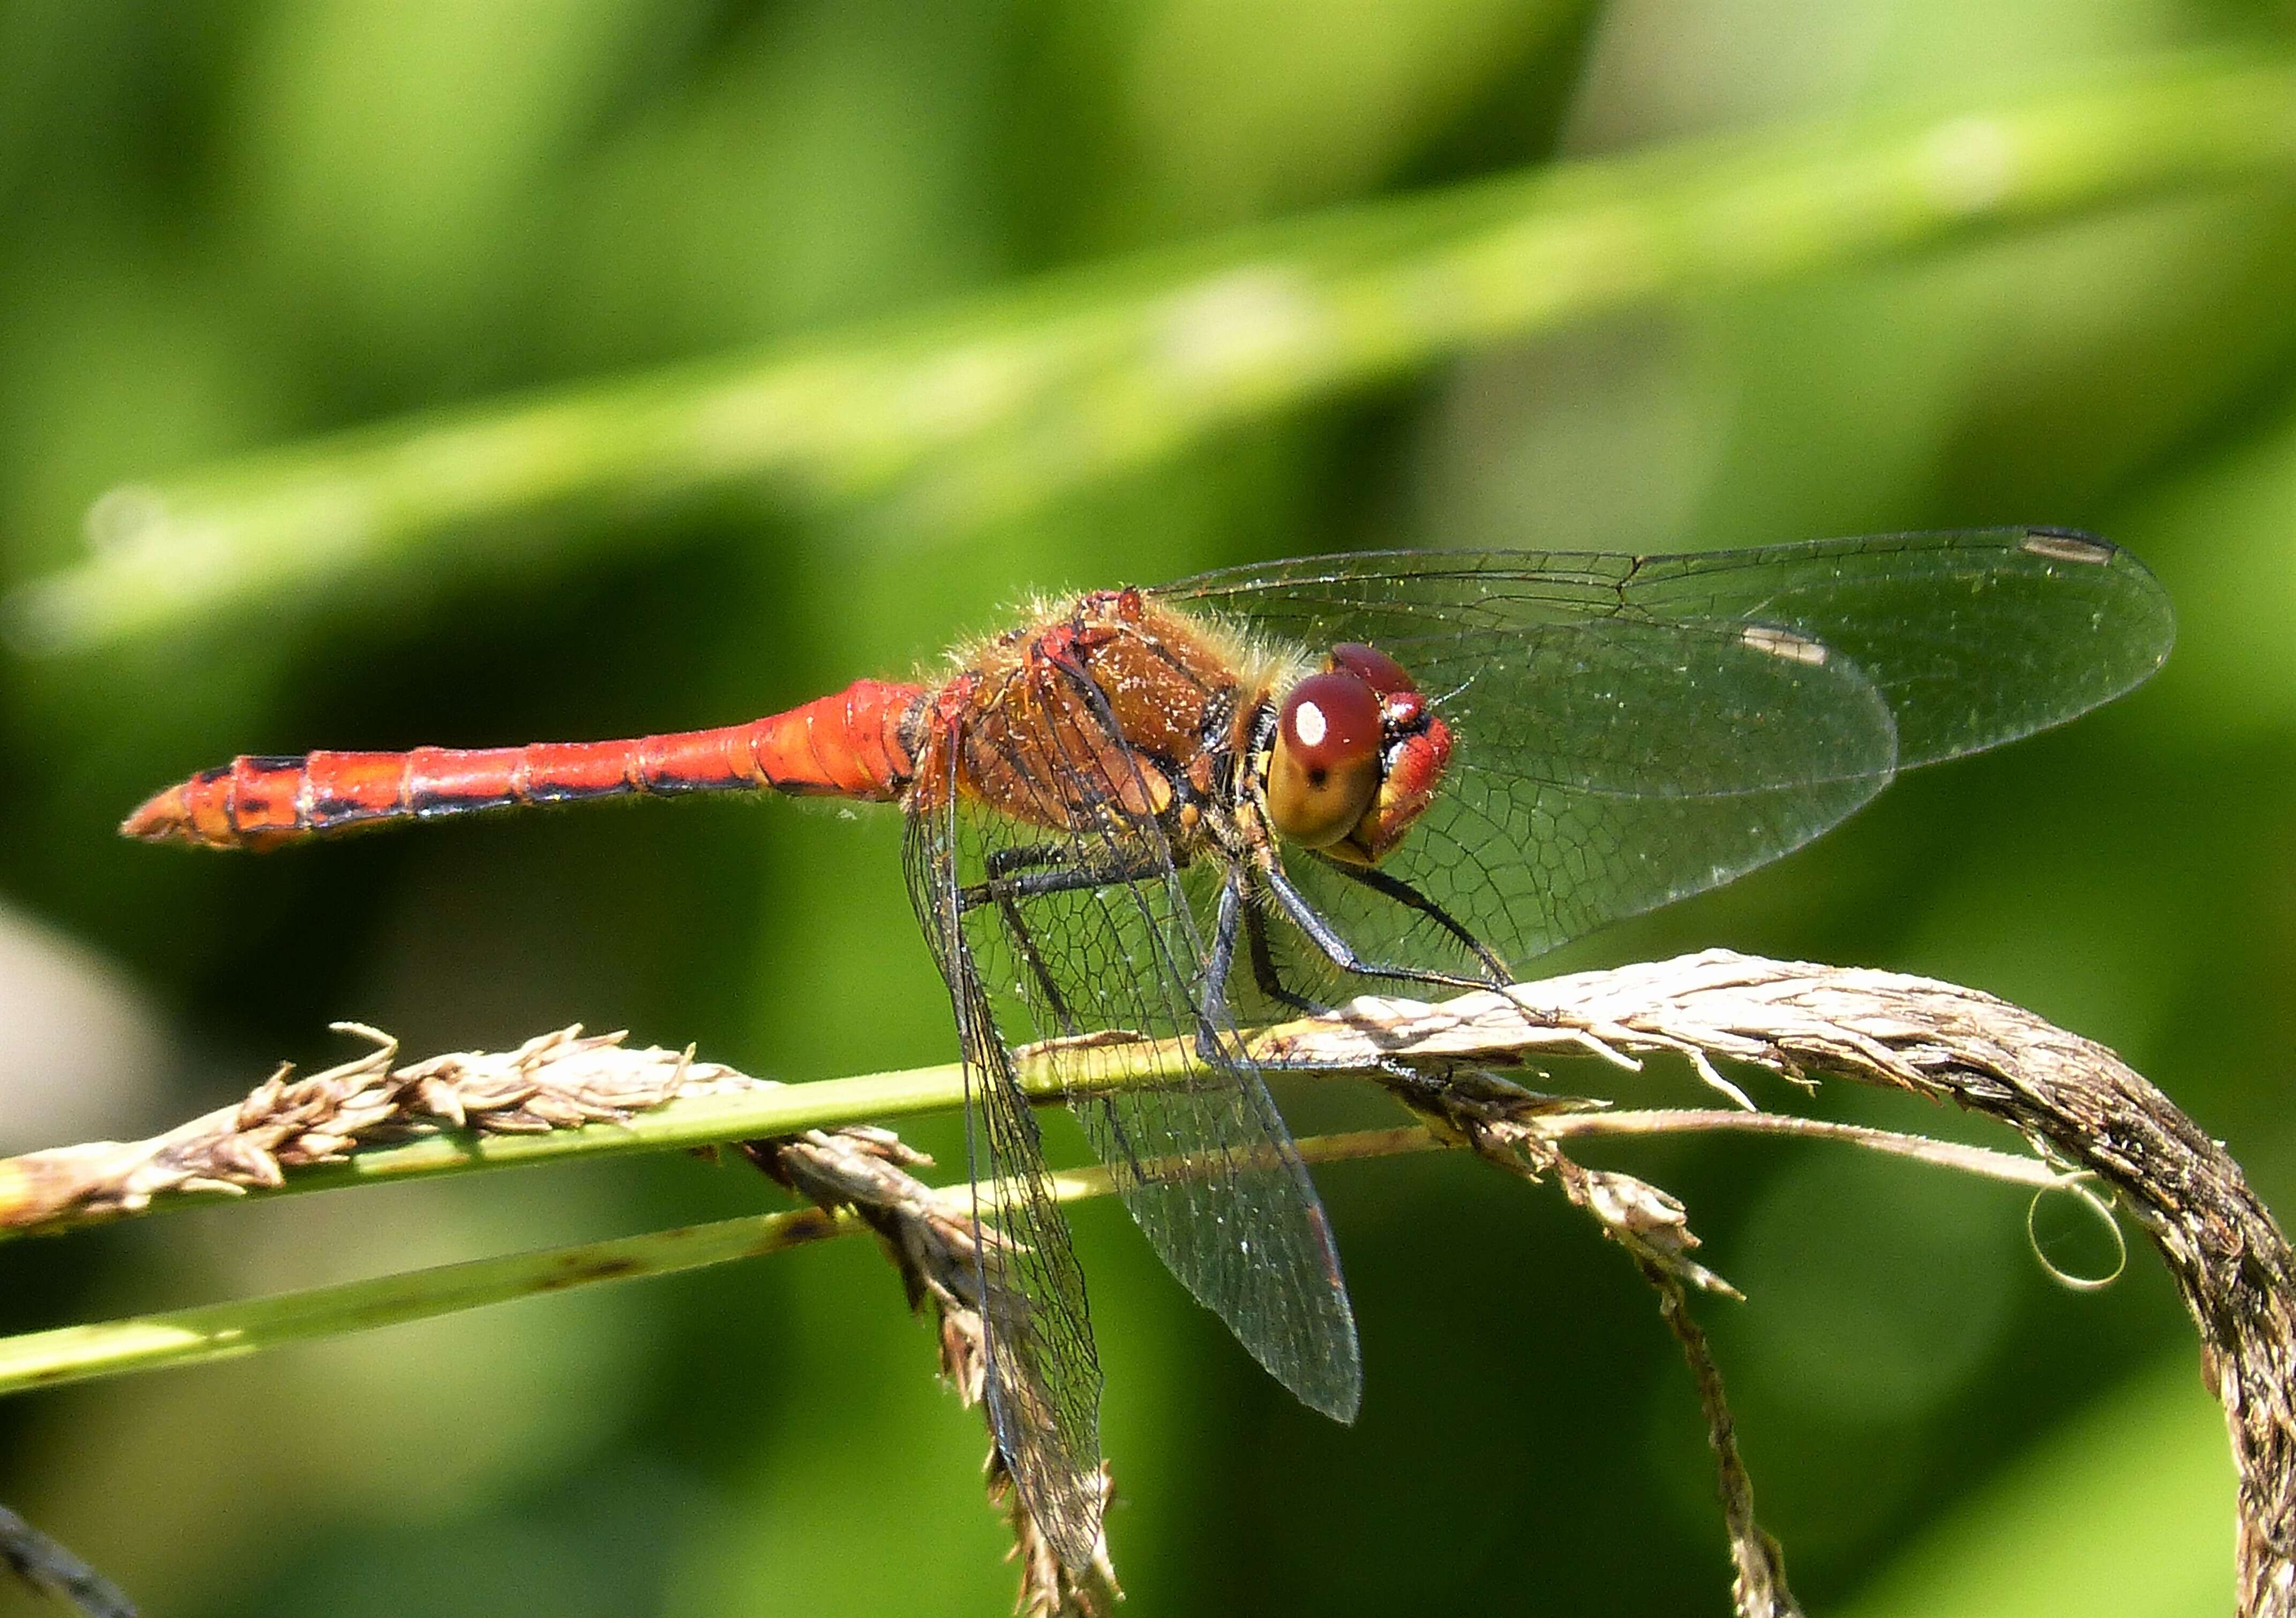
[967, 414]
[228, 1330]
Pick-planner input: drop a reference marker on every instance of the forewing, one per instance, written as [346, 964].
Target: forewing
[1043, 1373]
[1600, 773]
[1973, 638]
[1629, 731]
[1089, 929]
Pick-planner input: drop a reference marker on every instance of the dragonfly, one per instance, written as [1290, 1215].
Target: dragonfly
[1178, 812]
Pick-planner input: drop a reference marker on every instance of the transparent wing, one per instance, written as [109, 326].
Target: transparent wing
[1631, 730]
[1043, 1373]
[1973, 638]
[1082, 926]
[1598, 772]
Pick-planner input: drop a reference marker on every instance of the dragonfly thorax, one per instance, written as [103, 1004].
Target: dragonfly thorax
[1355, 757]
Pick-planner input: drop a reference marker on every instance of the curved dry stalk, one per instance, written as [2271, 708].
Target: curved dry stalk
[2083, 1111]
[2075, 1100]
[1758, 1588]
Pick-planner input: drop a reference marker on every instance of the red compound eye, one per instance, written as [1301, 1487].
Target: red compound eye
[1325, 771]
[1374, 667]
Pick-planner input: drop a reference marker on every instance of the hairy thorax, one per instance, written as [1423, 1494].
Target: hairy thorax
[1113, 707]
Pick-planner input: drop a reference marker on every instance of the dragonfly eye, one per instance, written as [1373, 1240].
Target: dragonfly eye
[1326, 769]
[1374, 667]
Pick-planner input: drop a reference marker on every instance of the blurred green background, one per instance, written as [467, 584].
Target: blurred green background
[236, 226]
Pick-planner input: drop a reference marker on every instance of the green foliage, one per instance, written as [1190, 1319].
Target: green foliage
[467, 373]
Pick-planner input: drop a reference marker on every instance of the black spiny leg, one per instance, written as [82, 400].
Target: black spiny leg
[1052, 877]
[1403, 893]
[1025, 943]
[1211, 999]
[1238, 914]
[1342, 954]
[1236, 910]
[1004, 862]
[1264, 972]
[1044, 868]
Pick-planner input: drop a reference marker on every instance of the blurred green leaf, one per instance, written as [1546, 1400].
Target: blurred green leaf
[993, 408]
[384, 150]
[2128, 1511]
[2227, 682]
[1244, 108]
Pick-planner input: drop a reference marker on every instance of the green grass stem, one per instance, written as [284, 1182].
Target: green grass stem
[965, 414]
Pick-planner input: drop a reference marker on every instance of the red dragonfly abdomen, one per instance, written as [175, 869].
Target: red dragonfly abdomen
[857, 744]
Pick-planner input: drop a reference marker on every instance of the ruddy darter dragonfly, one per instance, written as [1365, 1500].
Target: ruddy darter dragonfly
[1179, 812]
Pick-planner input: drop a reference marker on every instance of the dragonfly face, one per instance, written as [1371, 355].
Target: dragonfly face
[1357, 755]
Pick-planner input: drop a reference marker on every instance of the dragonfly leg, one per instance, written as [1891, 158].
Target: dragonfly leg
[1263, 967]
[1047, 868]
[1342, 954]
[1211, 1002]
[1226, 922]
[1004, 862]
[1403, 893]
[1055, 878]
[1238, 914]
[1025, 942]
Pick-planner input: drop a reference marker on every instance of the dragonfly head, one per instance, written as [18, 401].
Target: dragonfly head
[1358, 757]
